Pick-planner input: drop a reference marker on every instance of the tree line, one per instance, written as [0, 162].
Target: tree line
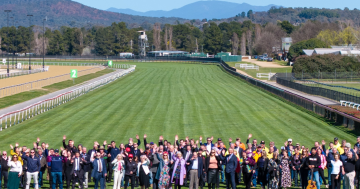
[240, 38]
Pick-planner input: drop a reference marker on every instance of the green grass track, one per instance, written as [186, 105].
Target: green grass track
[174, 98]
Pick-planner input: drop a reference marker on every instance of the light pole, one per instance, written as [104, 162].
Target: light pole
[8, 69]
[12, 57]
[29, 40]
[15, 50]
[44, 44]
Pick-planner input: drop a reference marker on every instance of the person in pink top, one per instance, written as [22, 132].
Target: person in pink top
[322, 166]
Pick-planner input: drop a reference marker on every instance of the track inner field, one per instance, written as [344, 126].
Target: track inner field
[173, 98]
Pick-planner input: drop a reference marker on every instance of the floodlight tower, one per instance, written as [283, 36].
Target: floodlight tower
[143, 43]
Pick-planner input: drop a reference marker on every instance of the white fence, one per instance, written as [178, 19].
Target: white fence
[251, 67]
[14, 89]
[351, 104]
[121, 66]
[24, 72]
[65, 64]
[265, 75]
[19, 116]
[241, 65]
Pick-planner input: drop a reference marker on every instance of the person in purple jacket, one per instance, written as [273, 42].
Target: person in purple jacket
[179, 172]
[55, 162]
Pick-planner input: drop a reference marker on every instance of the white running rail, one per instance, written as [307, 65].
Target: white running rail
[19, 116]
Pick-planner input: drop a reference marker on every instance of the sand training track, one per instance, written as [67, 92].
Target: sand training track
[264, 63]
[53, 71]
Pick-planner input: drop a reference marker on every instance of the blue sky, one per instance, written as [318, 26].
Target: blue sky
[146, 5]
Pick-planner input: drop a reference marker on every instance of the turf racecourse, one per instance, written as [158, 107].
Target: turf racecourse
[174, 98]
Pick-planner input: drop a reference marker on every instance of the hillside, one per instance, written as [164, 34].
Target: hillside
[200, 10]
[69, 13]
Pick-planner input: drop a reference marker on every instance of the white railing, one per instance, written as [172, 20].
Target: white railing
[351, 104]
[251, 67]
[121, 66]
[265, 75]
[238, 65]
[19, 116]
[65, 64]
[14, 89]
[23, 72]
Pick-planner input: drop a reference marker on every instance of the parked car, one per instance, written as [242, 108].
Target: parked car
[270, 59]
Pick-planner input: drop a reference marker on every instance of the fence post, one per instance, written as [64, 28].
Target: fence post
[5, 122]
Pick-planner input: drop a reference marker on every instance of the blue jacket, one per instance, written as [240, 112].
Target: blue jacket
[113, 152]
[33, 164]
[95, 165]
[231, 164]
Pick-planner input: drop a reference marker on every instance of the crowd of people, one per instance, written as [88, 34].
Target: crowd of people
[186, 162]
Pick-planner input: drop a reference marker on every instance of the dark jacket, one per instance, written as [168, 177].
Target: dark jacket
[4, 166]
[314, 160]
[207, 163]
[73, 149]
[113, 152]
[266, 162]
[231, 163]
[130, 166]
[33, 164]
[87, 164]
[200, 166]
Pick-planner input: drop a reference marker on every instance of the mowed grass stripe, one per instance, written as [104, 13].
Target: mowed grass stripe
[172, 98]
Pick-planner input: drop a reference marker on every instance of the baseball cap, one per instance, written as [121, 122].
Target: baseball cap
[348, 145]
[262, 142]
[219, 139]
[127, 149]
[130, 156]
[282, 147]
[336, 138]
[56, 150]
[297, 144]
[289, 140]
[151, 143]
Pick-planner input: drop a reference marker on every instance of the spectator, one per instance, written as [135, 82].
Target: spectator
[295, 166]
[285, 170]
[231, 164]
[262, 167]
[349, 170]
[195, 170]
[4, 169]
[118, 165]
[130, 171]
[113, 151]
[15, 172]
[143, 172]
[248, 168]
[313, 162]
[212, 168]
[179, 171]
[33, 165]
[337, 167]
[99, 171]
[56, 162]
[322, 166]
[163, 172]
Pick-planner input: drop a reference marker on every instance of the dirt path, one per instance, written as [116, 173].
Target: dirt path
[53, 71]
[264, 63]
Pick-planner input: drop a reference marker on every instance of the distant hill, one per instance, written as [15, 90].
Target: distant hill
[70, 13]
[200, 10]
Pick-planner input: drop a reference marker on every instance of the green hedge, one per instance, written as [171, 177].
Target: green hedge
[326, 63]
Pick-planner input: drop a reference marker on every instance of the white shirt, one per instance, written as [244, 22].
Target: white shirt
[15, 166]
[208, 147]
[336, 167]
